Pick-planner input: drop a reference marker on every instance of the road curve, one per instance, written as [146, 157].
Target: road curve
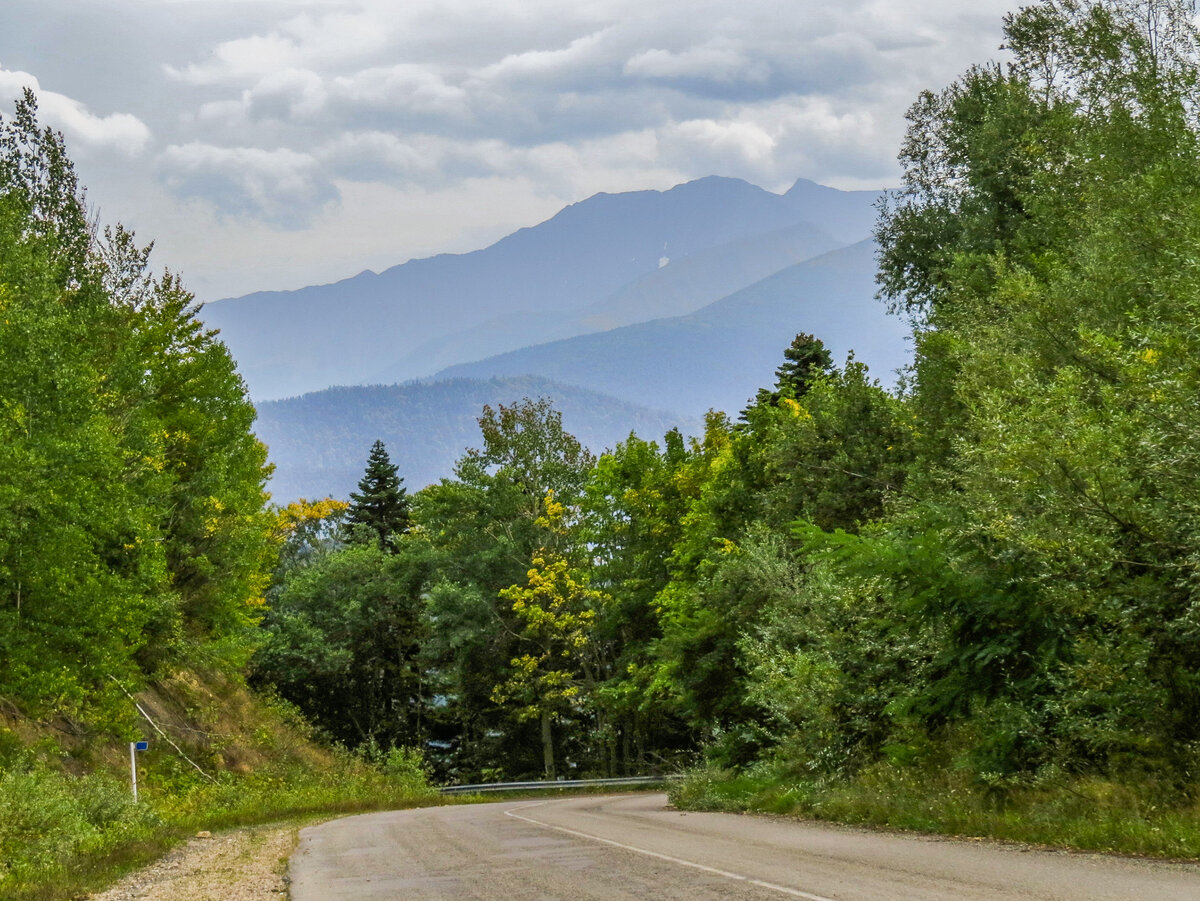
[635, 847]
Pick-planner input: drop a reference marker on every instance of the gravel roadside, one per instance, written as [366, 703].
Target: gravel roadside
[241, 865]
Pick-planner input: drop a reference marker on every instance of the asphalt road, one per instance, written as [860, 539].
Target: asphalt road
[634, 847]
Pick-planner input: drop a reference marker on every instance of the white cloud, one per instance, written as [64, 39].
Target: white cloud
[122, 132]
[282, 187]
[716, 60]
[282, 118]
[232, 62]
[288, 93]
[379, 156]
[745, 141]
[402, 87]
[587, 50]
[326, 38]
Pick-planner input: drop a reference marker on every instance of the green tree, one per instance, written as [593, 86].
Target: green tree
[631, 522]
[527, 450]
[804, 360]
[483, 527]
[1042, 239]
[380, 507]
[557, 667]
[133, 533]
[343, 640]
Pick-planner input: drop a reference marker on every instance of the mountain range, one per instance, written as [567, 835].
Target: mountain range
[575, 272]
[637, 311]
[718, 356]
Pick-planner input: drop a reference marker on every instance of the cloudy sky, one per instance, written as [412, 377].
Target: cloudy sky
[272, 144]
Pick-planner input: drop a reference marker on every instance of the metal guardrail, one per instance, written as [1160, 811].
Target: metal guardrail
[556, 784]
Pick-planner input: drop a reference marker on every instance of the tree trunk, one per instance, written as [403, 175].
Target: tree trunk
[547, 745]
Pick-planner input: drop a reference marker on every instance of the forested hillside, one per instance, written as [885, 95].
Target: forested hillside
[133, 532]
[318, 442]
[970, 605]
[135, 553]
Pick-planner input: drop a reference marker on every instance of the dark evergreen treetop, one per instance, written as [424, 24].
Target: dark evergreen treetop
[805, 359]
[379, 509]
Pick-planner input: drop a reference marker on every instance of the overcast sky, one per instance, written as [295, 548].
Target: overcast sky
[271, 144]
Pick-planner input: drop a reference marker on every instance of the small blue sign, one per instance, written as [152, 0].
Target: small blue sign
[141, 746]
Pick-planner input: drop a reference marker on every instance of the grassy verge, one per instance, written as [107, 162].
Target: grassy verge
[62, 835]
[220, 757]
[1081, 813]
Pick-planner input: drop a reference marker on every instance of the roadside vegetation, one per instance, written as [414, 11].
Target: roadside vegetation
[135, 549]
[971, 605]
[68, 822]
[1090, 813]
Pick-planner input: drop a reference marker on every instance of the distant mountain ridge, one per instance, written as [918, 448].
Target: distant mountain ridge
[678, 286]
[319, 442]
[718, 356]
[576, 272]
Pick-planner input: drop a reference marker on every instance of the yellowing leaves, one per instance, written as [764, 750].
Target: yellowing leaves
[794, 407]
[557, 611]
[304, 512]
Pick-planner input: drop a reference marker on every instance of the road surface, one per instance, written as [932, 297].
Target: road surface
[634, 847]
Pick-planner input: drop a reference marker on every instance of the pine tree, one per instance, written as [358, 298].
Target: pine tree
[379, 509]
[805, 359]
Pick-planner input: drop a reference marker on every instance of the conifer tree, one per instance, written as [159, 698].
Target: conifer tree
[804, 360]
[379, 510]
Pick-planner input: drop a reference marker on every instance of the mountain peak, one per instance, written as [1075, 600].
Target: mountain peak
[532, 284]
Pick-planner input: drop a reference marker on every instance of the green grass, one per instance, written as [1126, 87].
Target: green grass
[1083, 813]
[62, 835]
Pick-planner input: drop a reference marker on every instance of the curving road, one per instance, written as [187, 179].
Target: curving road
[634, 847]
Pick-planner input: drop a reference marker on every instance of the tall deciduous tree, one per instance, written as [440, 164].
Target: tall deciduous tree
[486, 525]
[557, 668]
[132, 530]
[1045, 240]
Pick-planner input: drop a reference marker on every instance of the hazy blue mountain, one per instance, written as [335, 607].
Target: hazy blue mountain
[678, 286]
[717, 357]
[591, 253]
[319, 442]
[684, 285]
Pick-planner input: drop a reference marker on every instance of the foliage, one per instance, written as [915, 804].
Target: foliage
[306, 530]
[1045, 236]
[342, 639]
[557, 667]
[1001, 638]
[939, 606]
[62, 834]
[804, 361]
[133, 530]
[379, 510]
[1080, 813]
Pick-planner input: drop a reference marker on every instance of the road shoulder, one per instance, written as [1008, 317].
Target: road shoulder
[240, 865]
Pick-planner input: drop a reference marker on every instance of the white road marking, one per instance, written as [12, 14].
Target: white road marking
[782, 889]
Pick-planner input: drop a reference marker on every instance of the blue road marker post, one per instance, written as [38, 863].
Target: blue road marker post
[134, 747]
